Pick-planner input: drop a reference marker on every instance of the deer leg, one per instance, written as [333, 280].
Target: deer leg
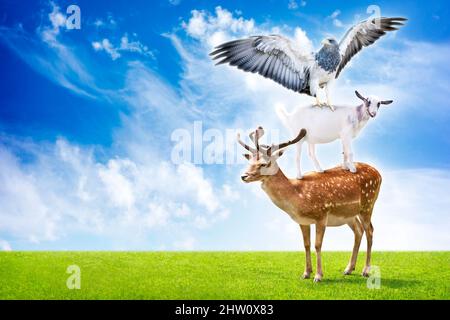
[320, 231]
[298, 158]
[306, 232]
[312, 155]
[357, 229]
[368, 228]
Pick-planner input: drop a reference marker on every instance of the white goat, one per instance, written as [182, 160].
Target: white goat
[324, 126]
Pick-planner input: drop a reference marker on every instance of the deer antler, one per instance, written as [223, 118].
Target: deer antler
[282, 145]
[246, 146]
[266, 150]
[254, 136]
[259, 132]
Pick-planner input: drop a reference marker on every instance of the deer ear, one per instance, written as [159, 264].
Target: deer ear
[247, 156]
[278, 153]
[386, 101]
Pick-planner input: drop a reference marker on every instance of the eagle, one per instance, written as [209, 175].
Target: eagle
[282, 60]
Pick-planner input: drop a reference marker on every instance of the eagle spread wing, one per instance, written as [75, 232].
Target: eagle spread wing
[271, 56]
[363, 35]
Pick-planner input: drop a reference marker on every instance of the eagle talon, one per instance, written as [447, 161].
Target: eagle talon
[330, 106]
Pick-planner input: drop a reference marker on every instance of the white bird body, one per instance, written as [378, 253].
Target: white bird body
[320, 78]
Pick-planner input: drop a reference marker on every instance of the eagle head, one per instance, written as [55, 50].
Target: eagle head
[329, 42]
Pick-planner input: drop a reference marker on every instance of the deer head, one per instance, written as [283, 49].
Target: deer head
[262, 158]
[372, 103]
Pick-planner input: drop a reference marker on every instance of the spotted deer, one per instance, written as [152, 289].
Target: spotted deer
[333, 198]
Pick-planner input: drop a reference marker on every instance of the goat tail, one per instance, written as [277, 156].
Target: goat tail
[283, 115]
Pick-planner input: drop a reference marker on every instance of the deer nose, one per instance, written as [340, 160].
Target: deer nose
[244, 176]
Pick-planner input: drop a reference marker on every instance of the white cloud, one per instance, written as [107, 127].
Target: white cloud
[45, 53]
[106, 45]
[334, 17]
[118, 185]
[186, 244]
[338, 23]
[57, 20]
[125, 46]
[294, 5]
[174, 2]
[204, 25]
[302, 41]
[65, 190]
[5, 246]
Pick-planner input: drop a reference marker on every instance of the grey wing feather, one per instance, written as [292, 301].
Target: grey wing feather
[272, 57]
[364, 34]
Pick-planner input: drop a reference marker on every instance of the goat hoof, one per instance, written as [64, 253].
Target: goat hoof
[299, 177]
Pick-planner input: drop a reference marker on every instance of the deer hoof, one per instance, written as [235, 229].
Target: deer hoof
[366, 272]
[306, 275]
[317, 278]
[348, 271]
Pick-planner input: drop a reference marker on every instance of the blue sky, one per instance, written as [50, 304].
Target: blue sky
[86, 119]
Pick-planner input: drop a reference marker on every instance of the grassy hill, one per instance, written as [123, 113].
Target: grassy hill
[219, 275]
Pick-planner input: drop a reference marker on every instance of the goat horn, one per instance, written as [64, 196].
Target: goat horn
[359, 95]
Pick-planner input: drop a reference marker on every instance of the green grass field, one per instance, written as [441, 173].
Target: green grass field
[218, 275]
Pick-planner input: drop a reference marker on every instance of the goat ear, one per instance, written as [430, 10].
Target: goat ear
[386, 101]
[247, 156]
[359, 95]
